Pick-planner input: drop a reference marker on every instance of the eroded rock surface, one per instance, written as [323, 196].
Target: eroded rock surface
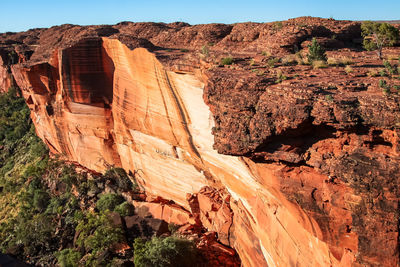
[300, 172]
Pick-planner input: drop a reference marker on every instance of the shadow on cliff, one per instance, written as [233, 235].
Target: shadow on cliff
[88, 73]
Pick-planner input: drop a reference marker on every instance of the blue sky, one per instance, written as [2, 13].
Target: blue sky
[22, 15]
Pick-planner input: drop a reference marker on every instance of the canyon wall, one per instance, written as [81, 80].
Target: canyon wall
[281, 173]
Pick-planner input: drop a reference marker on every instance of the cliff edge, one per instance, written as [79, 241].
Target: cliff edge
[288, 164]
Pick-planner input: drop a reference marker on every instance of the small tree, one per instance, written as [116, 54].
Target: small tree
[378, 35]
[315, 52]
[109, 202]
[68, 257]
[125, 209]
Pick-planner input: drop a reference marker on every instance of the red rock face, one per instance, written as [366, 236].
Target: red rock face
[69, 113]
[300, 172]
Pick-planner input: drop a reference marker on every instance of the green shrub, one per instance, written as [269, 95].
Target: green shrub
[385, 87]
[165, 252]
[382, 72]
[386, 91]
[69, 179]
[32, 171]
[382, 83]
[316, 52]
[68, 257]
[96, 231]
[115, 173]
[265, 53]
[226, 61]
[172, 227]
[64, 203]
[329, 98]
[120, 178]
[277, 25]
[125, 209]
[108, 202]
[38, 148]
[272, 61]
[390, 69]
[40, 200]
[104, 237]
[280, 77]
[55, 206]
[205, 50]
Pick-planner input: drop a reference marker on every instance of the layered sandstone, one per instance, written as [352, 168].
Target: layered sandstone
[281, 172]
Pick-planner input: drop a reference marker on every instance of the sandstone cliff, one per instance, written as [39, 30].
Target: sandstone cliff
[300, 172]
